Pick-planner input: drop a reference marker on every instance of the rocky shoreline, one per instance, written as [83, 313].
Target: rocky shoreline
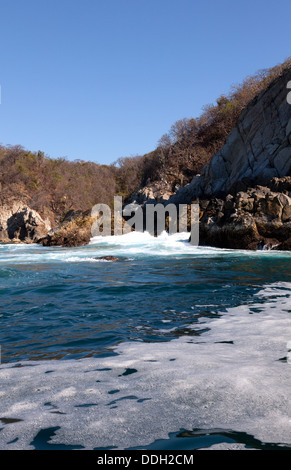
[254, 219]
[21, 224]
[244, 192]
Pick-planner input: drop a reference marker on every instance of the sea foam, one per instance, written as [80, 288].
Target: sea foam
[236, 375]
[134, 245]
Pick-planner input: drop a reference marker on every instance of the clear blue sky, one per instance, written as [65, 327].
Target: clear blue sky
[103, 79]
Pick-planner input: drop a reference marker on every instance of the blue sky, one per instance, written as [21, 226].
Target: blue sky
[103, 79]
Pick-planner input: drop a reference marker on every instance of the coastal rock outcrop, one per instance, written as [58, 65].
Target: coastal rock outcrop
[244, 192]
[20, 223]
[257, 149]
[75, 230]
[258, 218]
[152, 192]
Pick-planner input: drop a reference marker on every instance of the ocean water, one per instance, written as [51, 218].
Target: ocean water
[172, 347]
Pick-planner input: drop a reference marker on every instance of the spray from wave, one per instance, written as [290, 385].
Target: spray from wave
[134, 245]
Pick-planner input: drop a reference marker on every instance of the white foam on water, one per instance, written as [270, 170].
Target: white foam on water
[228, 446]
[145, 244]
[132, 245]
[234, 376]
[142, 244]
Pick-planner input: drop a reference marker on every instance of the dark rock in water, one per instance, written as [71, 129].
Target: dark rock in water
[75, 231]
[256, 219]
[109, 258]
[285, 246]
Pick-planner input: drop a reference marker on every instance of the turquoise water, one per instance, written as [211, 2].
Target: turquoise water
[196, 336]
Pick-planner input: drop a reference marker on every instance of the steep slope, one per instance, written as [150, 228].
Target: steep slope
[244, 192]
[256, 150]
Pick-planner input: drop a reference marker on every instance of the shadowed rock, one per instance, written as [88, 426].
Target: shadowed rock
[256, 150]
[74, 232]
[255, 219]
[20, 223]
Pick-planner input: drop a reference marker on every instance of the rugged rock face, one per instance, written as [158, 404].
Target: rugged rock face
[244, 192]
[257, 149]
[258, 218]
[157, 191]
[75, 230]
[18, 222]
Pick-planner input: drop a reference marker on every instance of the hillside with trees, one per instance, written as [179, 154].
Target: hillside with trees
[191, 142]
[55, 186]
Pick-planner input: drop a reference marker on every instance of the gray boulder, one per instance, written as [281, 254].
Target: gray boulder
[18, 222]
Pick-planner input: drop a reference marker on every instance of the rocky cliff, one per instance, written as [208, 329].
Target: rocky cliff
[256, 150]
[74, 230]
[257, 218]
[18, 222]
[244, 192]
